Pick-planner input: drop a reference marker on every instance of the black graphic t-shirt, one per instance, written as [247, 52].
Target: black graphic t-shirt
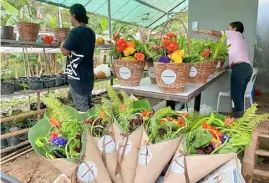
[79, 66]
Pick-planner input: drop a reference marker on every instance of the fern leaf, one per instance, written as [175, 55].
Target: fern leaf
[57, 109]
[128, 102]
[112, 94]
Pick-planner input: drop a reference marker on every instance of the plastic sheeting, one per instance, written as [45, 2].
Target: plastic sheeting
[129, 11]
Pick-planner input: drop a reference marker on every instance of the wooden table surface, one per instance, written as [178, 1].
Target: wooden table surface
[147, 89]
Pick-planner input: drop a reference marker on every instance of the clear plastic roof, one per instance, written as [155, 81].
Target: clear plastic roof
[137, 12]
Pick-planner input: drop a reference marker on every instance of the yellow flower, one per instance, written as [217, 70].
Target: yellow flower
[131, 44]
[177, 56]
[129, 58]
[128, 51]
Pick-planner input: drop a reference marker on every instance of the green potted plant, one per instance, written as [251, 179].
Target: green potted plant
[7, 86]
[6, 28]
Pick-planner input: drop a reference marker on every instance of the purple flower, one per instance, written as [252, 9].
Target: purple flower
[224, 137]
[59, 141]
[164, 59]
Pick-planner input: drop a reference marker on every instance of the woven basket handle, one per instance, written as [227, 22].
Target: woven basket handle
[141, 33]
[185, 28]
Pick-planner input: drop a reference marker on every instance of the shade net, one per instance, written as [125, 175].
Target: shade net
[129, 11]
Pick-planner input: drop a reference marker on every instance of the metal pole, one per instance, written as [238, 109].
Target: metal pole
[110, 33]
[60, 17]
[23, 56]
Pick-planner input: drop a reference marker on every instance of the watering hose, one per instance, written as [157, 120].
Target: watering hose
[5, 177]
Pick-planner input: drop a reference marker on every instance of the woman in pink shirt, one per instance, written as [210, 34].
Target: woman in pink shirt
[238, 62]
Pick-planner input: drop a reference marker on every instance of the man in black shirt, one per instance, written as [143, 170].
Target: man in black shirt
[79, 49]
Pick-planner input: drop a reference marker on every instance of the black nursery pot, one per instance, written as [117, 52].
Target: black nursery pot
[33, 106]
[49, 83]
[7, 88]
[59, 80]
[17, 85]
[36, 84]
[12, 141]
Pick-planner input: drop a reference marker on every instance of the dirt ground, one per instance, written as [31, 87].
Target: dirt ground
[31, 168]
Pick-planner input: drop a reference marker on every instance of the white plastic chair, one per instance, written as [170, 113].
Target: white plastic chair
[247, 93]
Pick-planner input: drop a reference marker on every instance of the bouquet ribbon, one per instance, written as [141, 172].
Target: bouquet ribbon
[121, 155]
[187, 179]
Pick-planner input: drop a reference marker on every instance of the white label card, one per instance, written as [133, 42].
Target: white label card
[169, 76]
[87, 172]
[125, 73]
[193, 72]
[120, 146]
[177, 165]
[106, 142]
[144, 155]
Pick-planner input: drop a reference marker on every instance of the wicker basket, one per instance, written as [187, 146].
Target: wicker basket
[59, 31]
[28, 31]
[200, 72]
[151, 72]
[129, 73]
[172, 78]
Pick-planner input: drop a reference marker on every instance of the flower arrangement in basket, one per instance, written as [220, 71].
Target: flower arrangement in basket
[205, 53]
[211, 140]
[172, 62]
[129, 117]
[131, 57]
[159, 143]
[61, 138]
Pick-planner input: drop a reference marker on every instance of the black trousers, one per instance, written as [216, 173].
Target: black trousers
[241, 75]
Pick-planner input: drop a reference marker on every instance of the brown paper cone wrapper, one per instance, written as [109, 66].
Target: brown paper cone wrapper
[64, 166]
[111, 158]
[129, 162]
[62, 179]
[153, 158]
[92, 154]
[198, 166]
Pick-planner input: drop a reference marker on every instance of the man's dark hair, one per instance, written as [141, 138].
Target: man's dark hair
[79, 13]
[238, 25]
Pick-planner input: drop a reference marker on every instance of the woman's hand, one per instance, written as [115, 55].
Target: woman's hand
[227, 67]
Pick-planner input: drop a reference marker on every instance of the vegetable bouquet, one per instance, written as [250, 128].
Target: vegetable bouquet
[129, 116]
[211, 140]
[61, 138]
[99, 123]
[159, 143]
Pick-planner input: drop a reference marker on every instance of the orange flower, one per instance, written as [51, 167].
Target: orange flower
[102, 114]
[121, 45]
[163, 121]
[139, 56]
[172, 47]
[54, 122]
[131, 44]
[171, 35]
[165, 42]
[180, 121]
[228, 120]
[116, 37]
[123, 107]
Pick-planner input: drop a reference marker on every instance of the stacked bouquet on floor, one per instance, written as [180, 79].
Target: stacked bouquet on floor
[129, 117]
[210, 142]
[61, 138]
[159, 143]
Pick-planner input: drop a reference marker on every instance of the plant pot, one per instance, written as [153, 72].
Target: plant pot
[49, 83]
[129, 73]
[7, 32]
[4, 143]
[58, 31]
[17, 85]
[200, 72]
[59, 80]
[151, 72]
[36, 84]
[172, 78]
[24, 136]
[12, 141]
[7, 88]
[28, 31]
